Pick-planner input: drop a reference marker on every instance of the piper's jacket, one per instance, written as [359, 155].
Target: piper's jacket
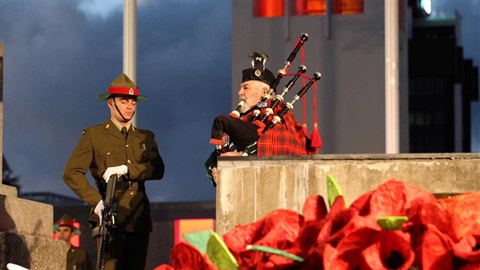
[104, 146]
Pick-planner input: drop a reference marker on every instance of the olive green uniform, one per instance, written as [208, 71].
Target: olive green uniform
[78, 259]
[104, 146]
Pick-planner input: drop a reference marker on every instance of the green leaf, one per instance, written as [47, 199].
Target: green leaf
[392, 222]
[333, 190]
[219, 254]
[275, 251]
[199, 239]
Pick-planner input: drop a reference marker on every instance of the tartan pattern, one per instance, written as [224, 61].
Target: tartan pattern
[286, 138]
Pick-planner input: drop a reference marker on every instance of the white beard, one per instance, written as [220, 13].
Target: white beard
[246, 107]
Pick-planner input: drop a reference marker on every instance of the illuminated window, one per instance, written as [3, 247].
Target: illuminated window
[319, 7]
[182, 226]
[348, 7]
[268, 8]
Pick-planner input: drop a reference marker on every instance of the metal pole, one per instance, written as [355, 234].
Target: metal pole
[130, 42]
[392, 125]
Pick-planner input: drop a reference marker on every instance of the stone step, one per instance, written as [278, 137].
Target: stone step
[25, 217]
[32, 252]
[8, 190]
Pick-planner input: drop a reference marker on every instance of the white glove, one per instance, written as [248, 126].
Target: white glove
[98, 210]
[11, 266]
[118, 170]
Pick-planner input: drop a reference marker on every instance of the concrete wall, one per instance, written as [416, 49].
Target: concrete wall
[26, 233]
[251, 187]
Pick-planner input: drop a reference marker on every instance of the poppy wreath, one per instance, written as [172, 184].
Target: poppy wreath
[395, 226]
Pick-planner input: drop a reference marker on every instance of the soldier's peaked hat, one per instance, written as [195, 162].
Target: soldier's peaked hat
[122, 85]
[66, 220]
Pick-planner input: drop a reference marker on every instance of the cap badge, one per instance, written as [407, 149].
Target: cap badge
[130, 91]
[258, 73]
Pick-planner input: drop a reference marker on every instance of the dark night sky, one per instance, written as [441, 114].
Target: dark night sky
[59, 55]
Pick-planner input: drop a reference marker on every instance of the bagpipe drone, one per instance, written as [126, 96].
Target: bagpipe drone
[232, 133]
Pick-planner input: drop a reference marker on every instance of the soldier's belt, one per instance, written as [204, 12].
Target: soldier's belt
[130, 185]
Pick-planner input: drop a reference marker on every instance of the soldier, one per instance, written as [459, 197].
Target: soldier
[117, 147]
[77, 258]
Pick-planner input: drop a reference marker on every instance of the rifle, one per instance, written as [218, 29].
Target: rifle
[108, 223]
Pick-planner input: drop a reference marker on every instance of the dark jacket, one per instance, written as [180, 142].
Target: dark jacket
[78, 259]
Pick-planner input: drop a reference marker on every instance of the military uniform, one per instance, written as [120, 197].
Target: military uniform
[104, 146]
[78, 259]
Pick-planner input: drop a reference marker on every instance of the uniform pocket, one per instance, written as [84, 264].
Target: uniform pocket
[112, 158]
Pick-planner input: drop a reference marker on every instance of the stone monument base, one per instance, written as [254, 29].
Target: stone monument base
[251, 187]
[26, 229]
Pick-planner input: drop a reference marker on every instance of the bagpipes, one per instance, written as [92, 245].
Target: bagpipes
[230, 132]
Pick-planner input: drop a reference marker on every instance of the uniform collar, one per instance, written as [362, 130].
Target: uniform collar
[118, 125]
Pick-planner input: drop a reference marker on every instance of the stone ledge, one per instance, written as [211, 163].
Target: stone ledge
[34, 253]
[7, 190]
[25, 217]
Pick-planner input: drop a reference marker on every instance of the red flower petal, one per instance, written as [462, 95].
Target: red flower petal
[315, 259]
[278, 229]
[314, 208]
[343, 224]
[362, 203]
[471, 266]
[164, 267]
[350, 247]
[389, 250]
[308, 236]
[186, 256]
[468, 248]
[464, 212]
[434, 251]
[456, 216]
[389, 199]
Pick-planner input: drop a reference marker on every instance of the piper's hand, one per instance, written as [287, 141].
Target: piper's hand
[118, 170]
[98, 210]
[214, 174]
[231, 154]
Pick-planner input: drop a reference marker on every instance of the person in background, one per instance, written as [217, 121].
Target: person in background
[77, 257]
[116, 147]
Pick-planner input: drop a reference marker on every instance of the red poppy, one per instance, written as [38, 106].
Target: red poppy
[439, 234]
[186, 256]
[468, 248]
[278, 229]
[389, 250]
[432, 249]
[456, 216]
[347, 254]
[314, 208]
[343, 224]
[391, 198]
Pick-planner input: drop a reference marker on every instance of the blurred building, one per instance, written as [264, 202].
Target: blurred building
[347, 44]
[442, 85]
